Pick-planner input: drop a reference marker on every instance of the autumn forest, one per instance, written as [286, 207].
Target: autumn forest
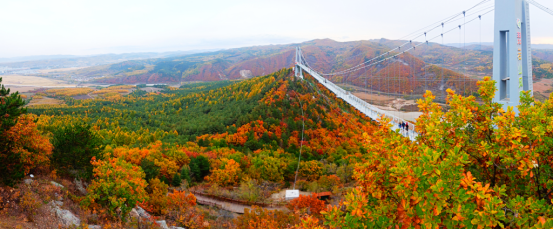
[222, 154]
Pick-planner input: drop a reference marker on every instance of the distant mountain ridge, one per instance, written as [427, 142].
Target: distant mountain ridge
[63, 61]
[429, 66]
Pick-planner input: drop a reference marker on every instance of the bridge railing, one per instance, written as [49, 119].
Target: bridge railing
[363, 106]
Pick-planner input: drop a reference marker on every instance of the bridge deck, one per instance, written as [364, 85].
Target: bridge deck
[364, 107]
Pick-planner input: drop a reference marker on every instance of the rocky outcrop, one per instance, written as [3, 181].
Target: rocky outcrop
[68, 219]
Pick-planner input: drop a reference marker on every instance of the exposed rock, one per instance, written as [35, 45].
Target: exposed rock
[55, 204]
[134, 214]
[94, 227]
[56, 184]
[162, 224]
[142, 213]
[80, 187]
[67, 217]
[28, 181]
[175, 227]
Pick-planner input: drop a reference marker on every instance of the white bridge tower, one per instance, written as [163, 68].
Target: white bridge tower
[512, 56]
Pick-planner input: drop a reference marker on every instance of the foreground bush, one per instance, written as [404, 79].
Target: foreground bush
[259, 217]
[11, 106]
[475, 166]
[117, 186]
[310, 204]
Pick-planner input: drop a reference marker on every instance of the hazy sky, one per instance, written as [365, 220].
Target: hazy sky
[47, 27]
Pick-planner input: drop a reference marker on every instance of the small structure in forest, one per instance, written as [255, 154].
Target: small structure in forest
[292, 194]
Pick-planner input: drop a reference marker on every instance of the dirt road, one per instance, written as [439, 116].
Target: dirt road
[232, 207]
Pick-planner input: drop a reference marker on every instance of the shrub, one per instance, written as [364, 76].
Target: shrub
[270, 168]
[74, 146]
[227, 174]
[179, 200]
[117, 184]
[149, 168]
[30, 202]
[262, 218]
[157, 202]
[302, 185]
[249, 191]
[176, 180]
[27, 149]
[310, 170]
[310, 204]
[180, 207]
[199, 167]
[185, 174]
[326, 183]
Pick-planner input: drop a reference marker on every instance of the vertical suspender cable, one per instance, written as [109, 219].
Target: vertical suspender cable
[301, 143]
[464, 54]
[443, 64]
[399, 72]
[480, 17]
[413, 80]
[424, 65]
[460, 63]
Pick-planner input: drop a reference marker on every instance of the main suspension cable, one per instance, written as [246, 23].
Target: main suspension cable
[448, 19]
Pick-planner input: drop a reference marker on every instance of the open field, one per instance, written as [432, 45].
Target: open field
[45, 101]
[22, 89]
[544, 86]
[22, 80]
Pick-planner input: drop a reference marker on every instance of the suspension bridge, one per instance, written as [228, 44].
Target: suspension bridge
[512, 58]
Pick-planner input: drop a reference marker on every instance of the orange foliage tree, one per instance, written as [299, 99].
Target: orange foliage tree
[311, 170]
[310, 204]
[226, 173]
[117, 186]
[33, 148]
[157, 193]
[258, 217]
[181, 208]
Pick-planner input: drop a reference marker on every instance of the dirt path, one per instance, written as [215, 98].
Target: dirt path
[232, 207]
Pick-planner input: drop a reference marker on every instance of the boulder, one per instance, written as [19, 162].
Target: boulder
[55, 204]
[162, 224]
[134, 214]
[80, 187]
[142, 213]
[56, 184]
[94, 227]
[68, 219]
[28, 181]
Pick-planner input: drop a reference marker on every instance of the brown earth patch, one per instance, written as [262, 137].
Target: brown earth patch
[80, 97]
[544, 86]
[45, 101]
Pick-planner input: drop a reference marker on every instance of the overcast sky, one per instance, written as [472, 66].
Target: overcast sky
[93, 27]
